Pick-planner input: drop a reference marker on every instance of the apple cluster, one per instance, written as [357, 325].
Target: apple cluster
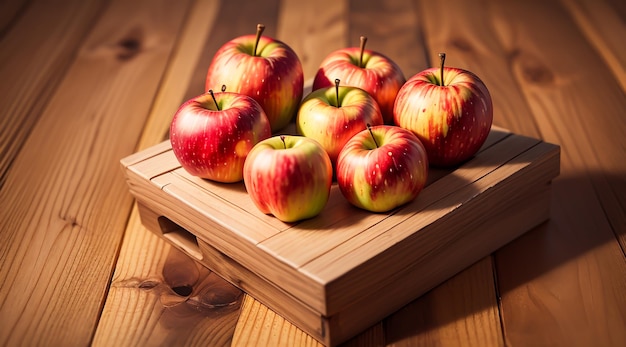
[363, 125]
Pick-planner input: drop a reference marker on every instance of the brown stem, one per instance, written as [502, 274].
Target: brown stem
[369, 127]
[442, 59]
[337, 91]
[214, 100]
[363, 42]
[259, 31]
[282, 138]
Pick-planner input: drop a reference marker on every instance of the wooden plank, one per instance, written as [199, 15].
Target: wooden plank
[134, 313]
[65, 204]
[387, 234]
[10, 12]
[235, 18]
[463, 311]
[160, 295]
[393, 28]
[601, 22]
[33, 64]
[302, 245]
[260, 326]
[563, 284]
[313, 37]
[478, 47]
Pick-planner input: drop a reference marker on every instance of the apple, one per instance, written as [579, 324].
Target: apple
[332, 115]
[449, 109]
[211, 134]
[289, 177]
[382, 168]
[263, 68]
[369, 70]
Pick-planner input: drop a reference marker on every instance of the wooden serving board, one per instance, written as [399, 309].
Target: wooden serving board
[336, 274]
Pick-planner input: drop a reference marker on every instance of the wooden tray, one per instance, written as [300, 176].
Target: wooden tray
[335, 275]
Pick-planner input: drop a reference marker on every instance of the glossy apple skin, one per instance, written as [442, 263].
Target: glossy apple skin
[380, 76]
[453, 120]
[289, 180]
[321, 119]
[379, 179]
[274, 77]
[213, 144]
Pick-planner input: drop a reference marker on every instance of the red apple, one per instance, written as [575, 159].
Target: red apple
[449, 109]
[332, 115]
[382, 168]
[369, 70]
[263, 68]
[211, 134]
[288, 177]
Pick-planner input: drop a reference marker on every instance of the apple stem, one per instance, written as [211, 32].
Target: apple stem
[337, 91]
[442, 59]
[369, 127]
[363, 42]
[214, 100]
[282, 138]
[259, 31]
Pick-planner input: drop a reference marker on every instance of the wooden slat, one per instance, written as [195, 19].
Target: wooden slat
[600, 21]
[260, 326]
[563, 284]
[477, 48]
[385, 235]
[32, 68]
[393, 28]
[313, 37]
[10, 12]
[235, 18]
[463, 311]
[135, 313]
[302, 245]
[65, 204]
[143, 307]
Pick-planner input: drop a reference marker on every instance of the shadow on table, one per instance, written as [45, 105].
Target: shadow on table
[578, 226]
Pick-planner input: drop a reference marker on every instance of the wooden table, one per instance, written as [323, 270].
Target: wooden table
[86, 83]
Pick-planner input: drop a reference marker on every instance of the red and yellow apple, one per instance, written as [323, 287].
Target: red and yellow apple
[369, 70]
[449, 109]
[211, 134]
[382, 168]
[332, 115]
[264, 68]
[289, 177]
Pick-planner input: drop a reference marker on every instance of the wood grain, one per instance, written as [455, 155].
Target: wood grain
[80, 81]
[33, 68]
[558, 276]
[142, 307]
[450, 314]
[313, 37]
[600, 21]
[234, 18]
[64, 204]
[393, 28]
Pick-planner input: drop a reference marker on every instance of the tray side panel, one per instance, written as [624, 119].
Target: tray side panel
[486, 201]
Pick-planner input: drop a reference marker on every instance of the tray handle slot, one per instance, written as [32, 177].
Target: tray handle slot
[180, 237]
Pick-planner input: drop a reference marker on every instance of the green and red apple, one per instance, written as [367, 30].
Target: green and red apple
[264, 68]
[211, 134]
[449, 109]
[369, 70]
[382, 168]
[332, 115]
[289, 177]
